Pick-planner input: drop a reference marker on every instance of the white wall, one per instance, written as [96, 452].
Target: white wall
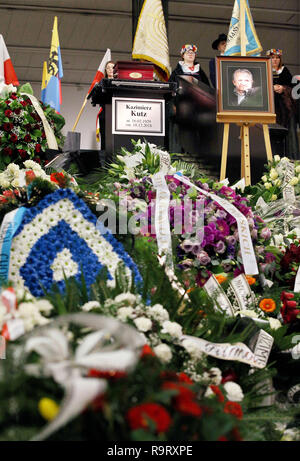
[72, 100]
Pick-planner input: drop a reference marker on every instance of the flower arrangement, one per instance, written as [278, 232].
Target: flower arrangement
[58, 238]
[22, 134]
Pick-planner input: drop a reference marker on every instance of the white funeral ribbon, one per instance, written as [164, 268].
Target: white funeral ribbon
[297, 282]
[288, 191]
[215, 291]
[237, 352]
[242, 292]
[70, 369]
[248, 255]
[162, 223]
[51, 140]
[9, 226]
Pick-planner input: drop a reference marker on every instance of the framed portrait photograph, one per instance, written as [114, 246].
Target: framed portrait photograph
[245, 86]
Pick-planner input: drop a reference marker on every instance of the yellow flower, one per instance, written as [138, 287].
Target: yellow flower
[297, 169]
[264, 178]
[293, 181]
[268, 185]
[273, 173]
[277, 158]
[48, 408]
[277, 182]
[274, 197]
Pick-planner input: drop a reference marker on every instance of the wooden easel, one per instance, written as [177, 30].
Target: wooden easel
[245, 121]
[245, 142]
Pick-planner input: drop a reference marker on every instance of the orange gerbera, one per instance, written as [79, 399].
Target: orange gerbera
[267, 305]
[221, 278]
[250, 280]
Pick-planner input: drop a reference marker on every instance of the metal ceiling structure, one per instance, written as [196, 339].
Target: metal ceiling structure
[88, 27]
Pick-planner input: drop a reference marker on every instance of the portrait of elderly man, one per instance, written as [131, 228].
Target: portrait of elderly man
[243, 93]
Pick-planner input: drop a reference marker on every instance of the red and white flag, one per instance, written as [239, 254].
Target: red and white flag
[101, 69]
[7, 71]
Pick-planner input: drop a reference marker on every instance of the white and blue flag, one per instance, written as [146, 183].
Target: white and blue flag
[233, 45]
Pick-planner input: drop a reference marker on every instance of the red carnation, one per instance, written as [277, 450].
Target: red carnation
[24, 103]
[58, 178]
[13, 137]
[14, 96]
[7, 151]
[8, 193]
[17, 111]
[28, 126]
[138, 417]
[146, 351]
[93, 373]
[185, 404]
[218, 393]
[233, 408]
[228, 375]
[182, 390]
[184, 378]
[8, 113]
[27, 138]
[29, 177]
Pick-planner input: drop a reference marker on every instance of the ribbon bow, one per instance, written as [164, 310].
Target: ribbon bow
[114, 347]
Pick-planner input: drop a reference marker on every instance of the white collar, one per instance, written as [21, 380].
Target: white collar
[187, 69]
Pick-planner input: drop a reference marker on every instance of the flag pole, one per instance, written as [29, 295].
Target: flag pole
[243, 27]
[80, 112]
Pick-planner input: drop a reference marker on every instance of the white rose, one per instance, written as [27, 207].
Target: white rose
[277, 182]
[27, 310]
[192, 348]
[268, 185]
[90, 305]
[264, 178]
[273, 174]
[293, 181]
[13, 168]
[297, 169]
[274, 323]
[277, 158]
[173, 328]
[234, 392]
[163, 352]
[158, 313]
[124, 313]
[44, 305]
[127, 298]
[143, 324]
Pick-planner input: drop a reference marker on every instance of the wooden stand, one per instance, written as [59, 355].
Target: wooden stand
[249, 120]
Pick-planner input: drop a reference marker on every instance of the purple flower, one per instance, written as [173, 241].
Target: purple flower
[187, 245]
[265, 233]
[254, 234]
[220, 247]
[269, 258]
[221, 214]
[196, 249]
[203, 258]
[231, 240]
[223, 227]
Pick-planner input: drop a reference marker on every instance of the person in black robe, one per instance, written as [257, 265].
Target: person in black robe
[188, 66]
[220, 45]
[285, 105]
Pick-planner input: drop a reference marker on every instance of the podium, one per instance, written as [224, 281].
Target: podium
[134, 109]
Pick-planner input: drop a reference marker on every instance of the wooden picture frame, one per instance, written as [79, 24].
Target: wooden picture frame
[245, 90]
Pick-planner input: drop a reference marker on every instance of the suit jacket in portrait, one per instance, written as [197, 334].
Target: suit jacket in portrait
[253, 99]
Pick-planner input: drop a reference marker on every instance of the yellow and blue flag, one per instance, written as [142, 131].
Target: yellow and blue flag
[53, 73]
[233, 45]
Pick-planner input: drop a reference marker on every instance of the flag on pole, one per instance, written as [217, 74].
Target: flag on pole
[98, 125]
[7, 71]
[233, 45]
[53, 73]
[150, 41]
[101, 69]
